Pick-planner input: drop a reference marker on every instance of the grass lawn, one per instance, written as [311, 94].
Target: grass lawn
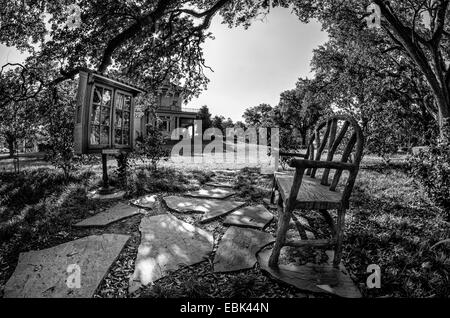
[390, 223]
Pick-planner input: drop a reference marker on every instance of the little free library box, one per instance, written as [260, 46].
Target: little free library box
[104, 114]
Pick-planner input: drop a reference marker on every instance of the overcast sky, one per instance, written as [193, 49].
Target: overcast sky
[250, 66]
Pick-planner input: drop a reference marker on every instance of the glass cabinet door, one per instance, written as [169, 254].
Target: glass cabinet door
[100, 122]
[122, 123]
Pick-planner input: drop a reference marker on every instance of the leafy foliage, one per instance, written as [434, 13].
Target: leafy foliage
[221, 123]
[151, 146]
[18, 89]
[60, 115]
[205, 116]
[298, 112]
[258, 116]
[146, 41]
[432, 169]
[404, 57]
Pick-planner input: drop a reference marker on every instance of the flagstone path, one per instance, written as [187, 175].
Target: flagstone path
[312, 277]
[112, 196]
[250, 216]
[116, 213]
[220, 184]
[216, 193]
[146, 202]
[168, 243]
[52, 273]
[238, 247]
[211, 209]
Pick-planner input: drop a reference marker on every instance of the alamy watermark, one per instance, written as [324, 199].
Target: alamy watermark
[374, 19]
[73, 20]
[73, 280]
[235, 145]
[374, 279]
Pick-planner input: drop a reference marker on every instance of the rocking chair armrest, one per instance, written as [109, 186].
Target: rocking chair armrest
[305, 164]
[292, 154]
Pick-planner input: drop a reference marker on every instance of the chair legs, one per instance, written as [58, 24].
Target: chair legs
[284, 215]
[340, 223]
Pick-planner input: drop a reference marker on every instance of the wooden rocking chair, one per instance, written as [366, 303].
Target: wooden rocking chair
[303, 190]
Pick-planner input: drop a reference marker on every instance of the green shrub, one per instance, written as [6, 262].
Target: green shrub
[151, 147]
[60, 115]
[432, 169]
[144, 181]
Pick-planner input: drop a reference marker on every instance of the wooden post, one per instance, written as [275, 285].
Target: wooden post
[16, 162]
[105, 171]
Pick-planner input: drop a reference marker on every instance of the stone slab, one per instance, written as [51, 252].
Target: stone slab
[223, 178]
[211, 208]
[270, 205]
[146, 202]
[238, 247]
[116, 213]
[226, 172]
[46, 273]
[167, 243]
[322, 278]
[250, 216]
[216, 193]
[220, 184]
[112, 196]
[267, 171]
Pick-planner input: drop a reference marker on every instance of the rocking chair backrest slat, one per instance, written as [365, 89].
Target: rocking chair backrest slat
[322, 144]
[331, 149]
[345, 156]
[310, 156]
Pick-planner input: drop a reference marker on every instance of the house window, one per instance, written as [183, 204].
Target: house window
[165, 124]
[100, 116]
[122, 126]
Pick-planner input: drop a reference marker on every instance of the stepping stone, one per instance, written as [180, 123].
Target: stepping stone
[211, 193]
[112, 196]
[118, 212]
[270, 205]
[267, 170]
[238, 247]
[211, 208]
[167, 244]
[223, 178]
[251, 216]
[146, 202]
[312, 277]
[52, 273]
[226, 172]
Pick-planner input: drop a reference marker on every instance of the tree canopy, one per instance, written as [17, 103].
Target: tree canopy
[404, 64]
[413, 34]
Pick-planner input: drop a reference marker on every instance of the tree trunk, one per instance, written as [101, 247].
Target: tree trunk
[304, 140]
[444, 116]
[11, 141]
[11, 149]
[444, 128]
[303, 133]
